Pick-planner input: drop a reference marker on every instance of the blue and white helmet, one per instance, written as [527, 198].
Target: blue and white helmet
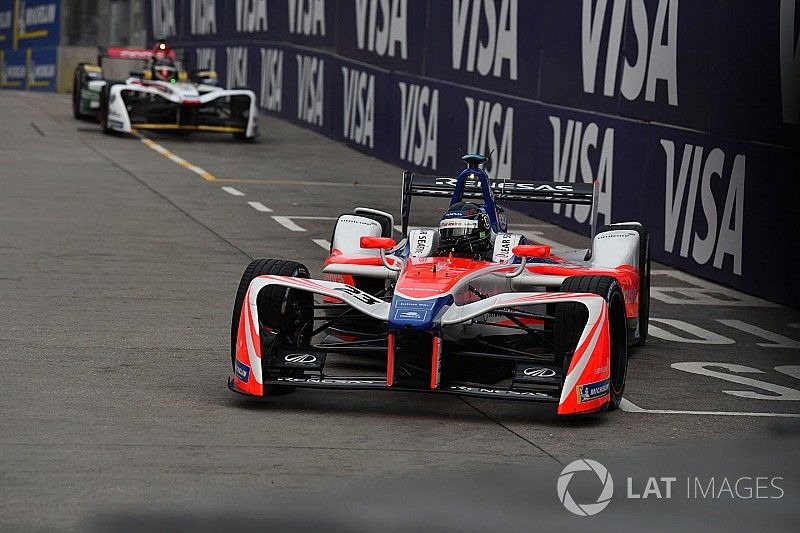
[465, 229]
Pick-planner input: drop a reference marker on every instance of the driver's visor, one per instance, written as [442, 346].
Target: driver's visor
[457, 227]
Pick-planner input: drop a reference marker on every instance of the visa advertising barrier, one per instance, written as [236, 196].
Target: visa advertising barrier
[686, 112]
[29, 37]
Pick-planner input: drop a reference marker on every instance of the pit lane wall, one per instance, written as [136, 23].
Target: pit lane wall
[30, 31]
[686, 112]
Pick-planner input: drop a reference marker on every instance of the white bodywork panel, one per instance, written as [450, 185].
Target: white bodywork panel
[614, 248]
[423, 242]
[504, 243]
[348, 232]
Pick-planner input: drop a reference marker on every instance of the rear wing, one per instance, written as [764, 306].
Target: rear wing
[517, 191]
[114, 52]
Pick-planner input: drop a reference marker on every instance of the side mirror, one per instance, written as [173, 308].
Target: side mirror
[531, 250]
[378, 243]
[525, 251]
[383, 244]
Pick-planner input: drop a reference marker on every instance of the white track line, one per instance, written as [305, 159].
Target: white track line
[258, 206]
[287, 223]
[322, 243]
[232, 190]
[630, 407]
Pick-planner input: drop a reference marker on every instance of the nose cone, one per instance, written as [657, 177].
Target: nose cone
[422, 315]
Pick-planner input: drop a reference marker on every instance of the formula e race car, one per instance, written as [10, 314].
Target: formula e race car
[464, 308]
[161, 96]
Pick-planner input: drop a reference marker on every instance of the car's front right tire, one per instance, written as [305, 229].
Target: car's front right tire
[287, 311]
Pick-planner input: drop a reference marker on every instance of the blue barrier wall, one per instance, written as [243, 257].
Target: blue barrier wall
[29, 37]
[687, 112]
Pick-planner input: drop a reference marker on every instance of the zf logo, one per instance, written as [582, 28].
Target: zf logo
[575, 154]
[656, 52]
[711, 237]
[496, 52]
[419, 124]
[388, 36]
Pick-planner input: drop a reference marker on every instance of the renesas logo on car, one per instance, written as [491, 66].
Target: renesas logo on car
[237, 66]
[242, 371]
[790, 62]
[358, 117]
[271, 79]
[690, 172]
[484, 35]
[251, 16]
[310, 88]
[203, 17]
[651, 69]
[307, 17]
[163, 18]
[381, 27]
[488, 122]
[580, 152]
[419, 124]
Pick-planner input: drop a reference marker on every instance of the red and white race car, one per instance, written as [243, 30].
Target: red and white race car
[464, 308]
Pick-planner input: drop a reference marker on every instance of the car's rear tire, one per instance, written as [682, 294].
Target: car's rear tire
[571, 317]
[284, 310]
[77, 87]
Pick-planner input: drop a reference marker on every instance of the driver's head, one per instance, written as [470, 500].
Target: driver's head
[465, 229]
[165, 70]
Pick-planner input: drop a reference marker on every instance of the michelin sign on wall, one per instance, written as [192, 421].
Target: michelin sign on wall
[686, 113]
[29, 37]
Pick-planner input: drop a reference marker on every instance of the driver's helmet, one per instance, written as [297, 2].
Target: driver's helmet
[465, 229]
[164, 70]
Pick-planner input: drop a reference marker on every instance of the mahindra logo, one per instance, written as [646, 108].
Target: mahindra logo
[301, 358]
[539, 372]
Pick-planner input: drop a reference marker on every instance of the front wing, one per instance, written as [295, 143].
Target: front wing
[141, 107]
[584, 388]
